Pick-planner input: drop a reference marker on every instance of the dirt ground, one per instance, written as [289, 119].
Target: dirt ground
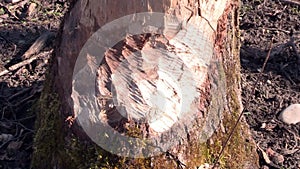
[262, 22]
[279, 85]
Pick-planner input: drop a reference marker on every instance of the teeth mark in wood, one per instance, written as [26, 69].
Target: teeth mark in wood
[155, 85]
[160, 82]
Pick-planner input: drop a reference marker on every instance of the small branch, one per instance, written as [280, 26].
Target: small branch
[20, 64]
[23, 63]
[39, 44]
[276, 29]
[4, 72]
[35, 48]
[295, 2]
[19, 93]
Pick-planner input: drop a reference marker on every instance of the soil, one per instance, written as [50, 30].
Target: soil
[262, 23]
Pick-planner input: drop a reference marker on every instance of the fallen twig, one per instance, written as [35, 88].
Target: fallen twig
[4, 72]
[19, 93]
[20, 64]
[18, 4]
[39, 44]
[295, 2]
[35, 48]
[275, 29]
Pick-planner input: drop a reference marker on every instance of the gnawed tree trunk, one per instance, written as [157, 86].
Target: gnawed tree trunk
[158, 86]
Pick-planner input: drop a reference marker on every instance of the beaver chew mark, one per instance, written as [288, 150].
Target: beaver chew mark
[112, 58]
[142, 79]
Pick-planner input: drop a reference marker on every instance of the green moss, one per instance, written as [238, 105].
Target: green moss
[47, 126]
[52, 146]
[49, 142]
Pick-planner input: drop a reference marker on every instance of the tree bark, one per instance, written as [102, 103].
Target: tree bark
[167, 91]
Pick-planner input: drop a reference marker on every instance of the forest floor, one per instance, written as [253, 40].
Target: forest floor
[262, 22]
[279, 85]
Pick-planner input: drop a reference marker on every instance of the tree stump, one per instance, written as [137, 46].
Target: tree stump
[144, 84]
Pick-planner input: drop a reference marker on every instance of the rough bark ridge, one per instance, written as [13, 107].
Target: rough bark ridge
[60, 143]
